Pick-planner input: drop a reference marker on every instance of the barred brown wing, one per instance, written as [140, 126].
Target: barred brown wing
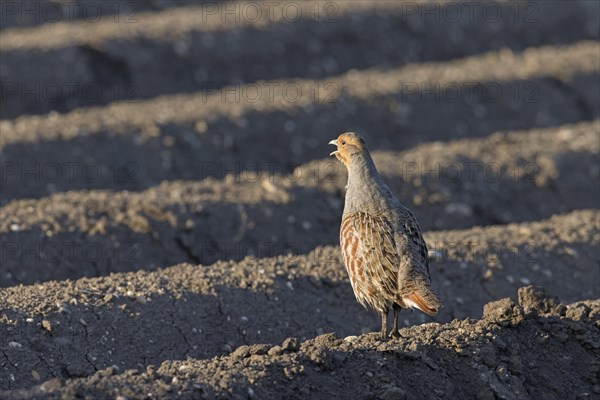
[371, 258]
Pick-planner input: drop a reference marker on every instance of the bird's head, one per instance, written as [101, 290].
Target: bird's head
[348, 144]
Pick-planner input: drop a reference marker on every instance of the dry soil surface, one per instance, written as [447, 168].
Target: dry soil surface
[169, 216]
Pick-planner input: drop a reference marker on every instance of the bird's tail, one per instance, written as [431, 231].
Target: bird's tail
[424, 300]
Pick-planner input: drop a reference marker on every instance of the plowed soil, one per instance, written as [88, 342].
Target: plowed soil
[175, 236]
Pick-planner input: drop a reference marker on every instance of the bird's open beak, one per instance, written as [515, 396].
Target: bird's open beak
[333, 142]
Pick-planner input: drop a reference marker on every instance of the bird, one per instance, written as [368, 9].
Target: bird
[381, 243]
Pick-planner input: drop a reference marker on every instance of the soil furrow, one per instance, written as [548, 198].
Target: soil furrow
[509, 353]
[135, 319]
[479, 86]
[90, 64]
[507, 177]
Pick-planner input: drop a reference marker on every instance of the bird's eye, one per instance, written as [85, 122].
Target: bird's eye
[343, 142]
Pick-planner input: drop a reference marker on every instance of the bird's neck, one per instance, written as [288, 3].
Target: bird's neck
[366, 190]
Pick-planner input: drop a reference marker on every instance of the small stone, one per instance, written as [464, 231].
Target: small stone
[338, 358]
[289, 374]
[393, 393]
[290, 344]
[189, 224]
[15, 345]
[502, 373]
[524, 280]
[47, 325]
[547, 273]
[65, 310]
[241, 352]
[515, 365]
[572, 252]
[77, 370]
[169, 141]
[269, 186]
[110, 371]
[259, 349]
[485, 394]
[35, 375]
[459, 209]
[141, 299]
[275, 351]
[201, 126]
[488, 355]
[577, 327]
[318, 355]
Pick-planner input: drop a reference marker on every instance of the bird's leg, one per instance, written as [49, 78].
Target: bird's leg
[394, 332]
[384, 324]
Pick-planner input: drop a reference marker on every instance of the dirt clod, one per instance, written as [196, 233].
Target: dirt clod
[393, 393]
[290, 344]
[534, 299]
[501, 311]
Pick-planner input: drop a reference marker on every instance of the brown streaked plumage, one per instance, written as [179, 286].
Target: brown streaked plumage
[382, 246]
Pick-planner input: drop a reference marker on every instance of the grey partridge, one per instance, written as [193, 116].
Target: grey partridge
[382, 246]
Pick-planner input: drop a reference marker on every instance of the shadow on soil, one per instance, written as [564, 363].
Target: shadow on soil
[396, 121]
[304, 49]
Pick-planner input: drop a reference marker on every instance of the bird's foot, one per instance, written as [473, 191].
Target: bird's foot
[394, 334]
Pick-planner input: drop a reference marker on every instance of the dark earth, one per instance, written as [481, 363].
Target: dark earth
[174, 233]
